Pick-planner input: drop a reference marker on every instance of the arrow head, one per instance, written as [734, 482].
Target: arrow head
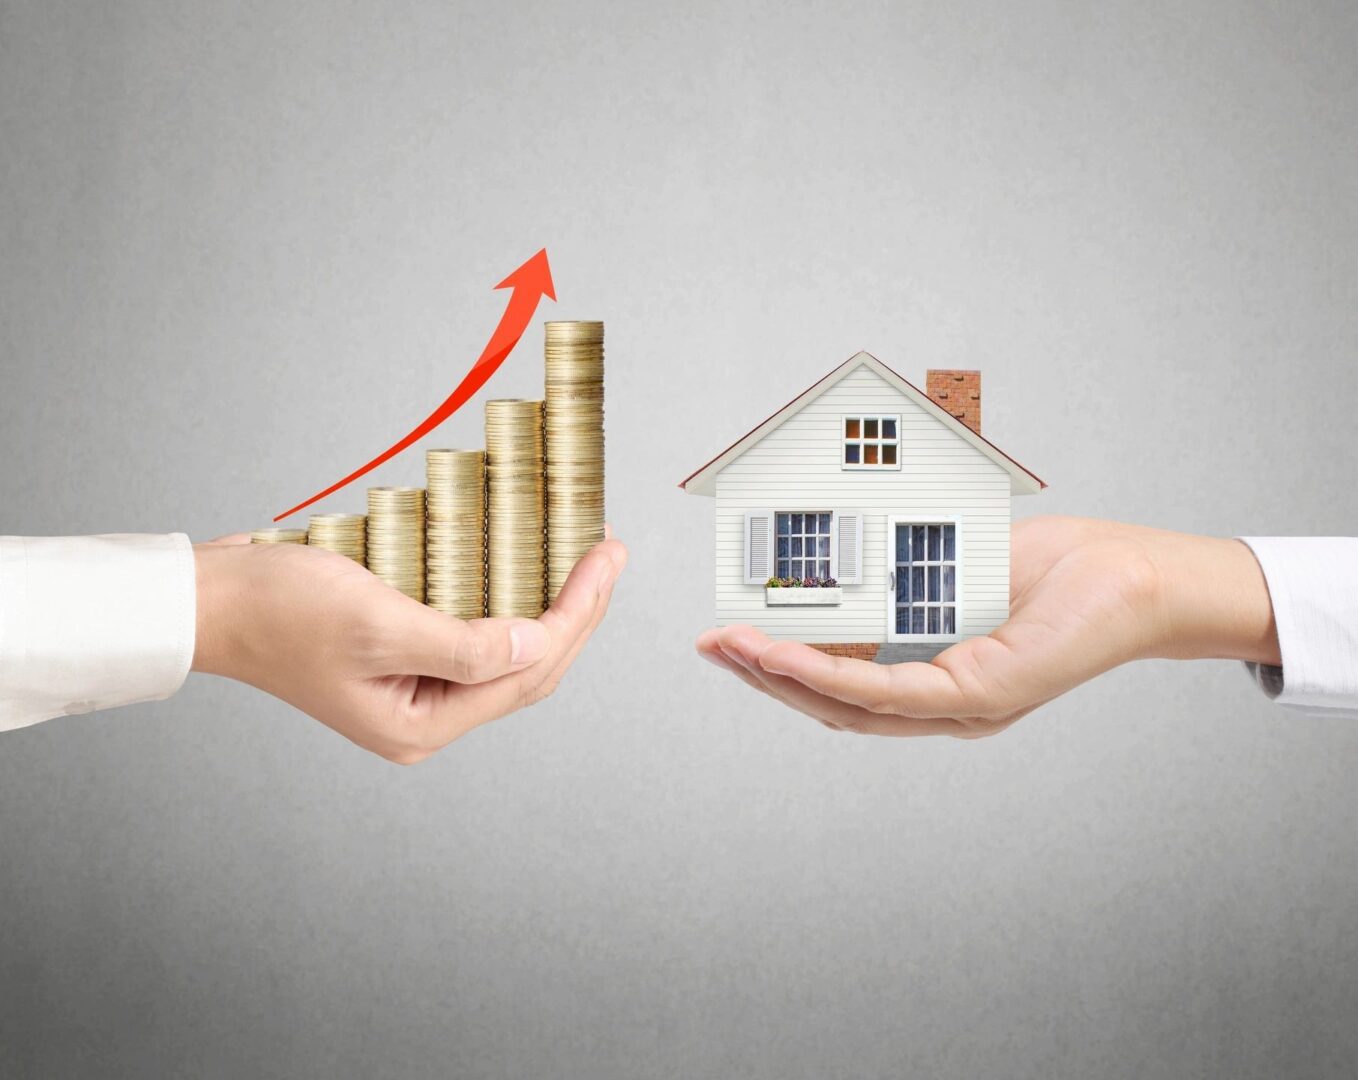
[534, 276]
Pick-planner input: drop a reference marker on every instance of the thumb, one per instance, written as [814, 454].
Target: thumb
[229, 540]
[431, 643]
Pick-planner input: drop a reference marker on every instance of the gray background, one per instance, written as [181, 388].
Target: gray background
[246, 245]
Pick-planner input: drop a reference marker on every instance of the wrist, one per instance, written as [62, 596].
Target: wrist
[217, 598]
[1214, 599]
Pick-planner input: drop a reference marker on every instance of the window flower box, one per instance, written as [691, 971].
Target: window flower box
[789, 597]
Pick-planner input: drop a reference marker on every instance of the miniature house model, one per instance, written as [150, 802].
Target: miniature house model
[884, 503]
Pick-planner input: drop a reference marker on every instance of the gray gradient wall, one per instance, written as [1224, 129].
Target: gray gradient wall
[243, 244]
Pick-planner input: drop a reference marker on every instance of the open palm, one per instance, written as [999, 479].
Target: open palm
[1085, 596]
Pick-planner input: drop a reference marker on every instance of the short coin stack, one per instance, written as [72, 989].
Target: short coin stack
[278, 536]
[396, 538]
[346, 534]
[574, 356]
[516, 518]
[455, 541]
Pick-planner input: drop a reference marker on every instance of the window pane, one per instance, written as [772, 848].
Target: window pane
[917, 620]
[870, 454]
[796, 547]
[917, 543]
[851, 453]
[888, 429]
[823, 547]
[949, 620]
[902, 543]
[917, 584]
[902, 587]
[869, 429]
[949, 542]
[823, 568]
[784, 521]
[949, 591]
[934, 549]
[933, 620]
[825, 524]
[783, 551]
[782, 569]
[851, 428]
[903, 620]
[933, 583]
[889, 454]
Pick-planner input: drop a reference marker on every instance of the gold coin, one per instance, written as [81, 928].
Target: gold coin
[278, 536]
[395, 538]
[574, 442]
[346, 534]
[455, 532]
[515, 508]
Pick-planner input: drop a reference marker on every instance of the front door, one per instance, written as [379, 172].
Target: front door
[922, 580]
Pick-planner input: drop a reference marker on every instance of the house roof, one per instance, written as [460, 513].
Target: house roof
[703, 481]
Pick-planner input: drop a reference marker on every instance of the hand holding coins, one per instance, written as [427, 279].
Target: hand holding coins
[397, 678]
[496, 531]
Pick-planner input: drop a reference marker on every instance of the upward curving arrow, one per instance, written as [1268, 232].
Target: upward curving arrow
[530, 283]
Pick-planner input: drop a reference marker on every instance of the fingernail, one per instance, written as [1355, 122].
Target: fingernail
[528, 642]
[608, 531]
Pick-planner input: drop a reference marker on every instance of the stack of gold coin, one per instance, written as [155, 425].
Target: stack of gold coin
[396, 538]
[455, 539]
[575, 445]
[278, 536]
[346, 534]
[515, 509]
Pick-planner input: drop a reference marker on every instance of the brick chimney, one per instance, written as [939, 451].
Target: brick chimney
[959, 392]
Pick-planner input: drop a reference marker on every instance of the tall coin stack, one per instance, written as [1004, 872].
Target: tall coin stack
[396, 538]
[346, 534]
[574, 355]
[455, 539]
[278, 536]
[516, 509]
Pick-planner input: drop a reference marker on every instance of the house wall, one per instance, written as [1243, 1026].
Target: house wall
[797, 467]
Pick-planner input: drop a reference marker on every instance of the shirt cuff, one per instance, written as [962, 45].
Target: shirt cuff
[92, 622]
[1313, 586]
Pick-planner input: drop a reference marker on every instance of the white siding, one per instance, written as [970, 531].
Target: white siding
[797, 467]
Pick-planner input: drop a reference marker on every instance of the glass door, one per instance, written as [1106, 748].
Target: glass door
[924, 579]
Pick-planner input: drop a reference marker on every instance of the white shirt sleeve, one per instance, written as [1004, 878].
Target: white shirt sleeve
[90, 622]
[1313, 584]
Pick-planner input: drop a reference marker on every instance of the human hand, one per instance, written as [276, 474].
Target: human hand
[1085, 597]
[396, 677]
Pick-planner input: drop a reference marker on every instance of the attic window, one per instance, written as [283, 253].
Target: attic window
[871, 442]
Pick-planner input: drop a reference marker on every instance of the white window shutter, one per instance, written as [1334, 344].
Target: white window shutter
[849, 542]
[758, 546]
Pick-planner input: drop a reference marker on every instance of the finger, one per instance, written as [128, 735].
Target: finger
[743, 644]
[736, 667]
[604, 594]
[576, 610]
[431, 643]
[709, 648]
[916, 690]
[229, 540]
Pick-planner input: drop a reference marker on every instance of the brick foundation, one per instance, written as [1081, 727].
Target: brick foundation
[856, 650]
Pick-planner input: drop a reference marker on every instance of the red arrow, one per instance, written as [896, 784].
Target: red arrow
[530, 282]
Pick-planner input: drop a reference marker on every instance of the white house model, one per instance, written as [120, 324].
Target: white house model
[889, 491]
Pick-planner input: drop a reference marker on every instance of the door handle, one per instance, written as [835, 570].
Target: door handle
[892, 580]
